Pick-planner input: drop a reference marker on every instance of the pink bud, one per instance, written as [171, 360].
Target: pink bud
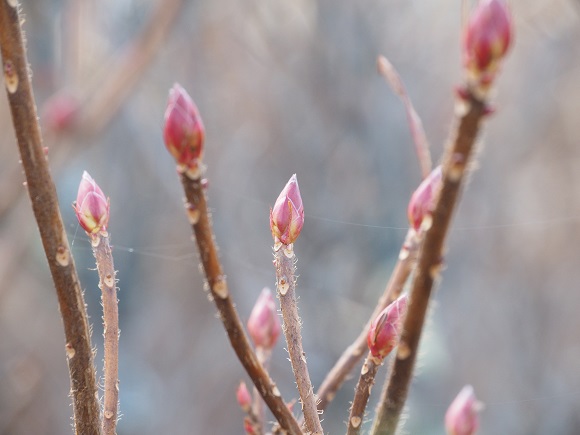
[461, 418]
[486, 39]
[91, 206]
[183, 132]
[386, 329]
[249, 426]
[422, 201]
[243, 396]
[60, 111]
[264, 324]
[287, 216]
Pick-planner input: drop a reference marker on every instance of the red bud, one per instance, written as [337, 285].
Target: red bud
[486, 40]
[91, 206]
[423, 199]
[243, 396]
[184, 132]
[264, 323]
[287, 216]
[386, 329]
[462, 416]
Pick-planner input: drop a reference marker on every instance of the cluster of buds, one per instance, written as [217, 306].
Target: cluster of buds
[287, 216]
[91, 206]
[264, 323]
[184, 133]
[486, 41]
[385, 331]
[423, 199]
[462, 416]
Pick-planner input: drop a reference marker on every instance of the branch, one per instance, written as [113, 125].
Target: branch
[286, 286]
[352, 355]
[470, 111]
[200, 220]
[362, 393]
[44, 200]
[107, 284]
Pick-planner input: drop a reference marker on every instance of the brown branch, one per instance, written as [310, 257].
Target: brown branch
[286, 289]
[45, 207]
[107, 284]
[362, 393]
[352, 355]
[199, 218]
[470, 112]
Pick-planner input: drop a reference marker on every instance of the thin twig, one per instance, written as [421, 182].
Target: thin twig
[264, 356]
[107, 284]
[45, 206]
[199, 218]
[352, 355]
[362, 393]
[470, 112]
[286, 286]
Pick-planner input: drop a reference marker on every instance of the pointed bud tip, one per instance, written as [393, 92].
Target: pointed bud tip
[91, 206]
[462, 416]
[243, 397]
[423, 199]
[264, 323]
[385, 330]
[183, 131]
[287, 215]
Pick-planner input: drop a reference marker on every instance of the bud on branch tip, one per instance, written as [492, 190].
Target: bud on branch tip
[486, 40]
[183, 132]
[91, 206]
[386, 329]
[462, 416]
[422, 201]
[287, 216]
[264, 324]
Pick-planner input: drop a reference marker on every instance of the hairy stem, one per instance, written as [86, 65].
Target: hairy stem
[199, 218]
[286, 286]
[264, 356]
[107, 284]
[362, 393]
[455, 162]
[44, 200]
[352, 355]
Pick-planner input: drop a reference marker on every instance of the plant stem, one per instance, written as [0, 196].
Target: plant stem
[264, 356]
[362, 393]
[107, 284]
[44, 200]
[286, 286]
[199, 218]
[352, 355]
[455, 162]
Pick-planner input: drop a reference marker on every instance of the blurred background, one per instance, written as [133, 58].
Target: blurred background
[291, 87]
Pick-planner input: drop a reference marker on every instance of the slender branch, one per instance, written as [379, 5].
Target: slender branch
[199, 218]
[286, 286]
[264, 356]
[362, 393]
[107, 284]
[45, 206]
[470, 112]
[352, 354]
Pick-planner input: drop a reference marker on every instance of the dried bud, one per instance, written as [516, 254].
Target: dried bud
[91, 206]
[461, 418]
[422, 201]
[287, 216]
[486, 40]
[243, 396]
[264, 324]
[386, 329]
[184, 132]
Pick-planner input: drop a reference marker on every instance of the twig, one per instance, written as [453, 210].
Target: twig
[45, 206]
[286, 286]
[107, 284]
[390, 74]
[470, 112]
[362, 393]
[200, 220]
[352, 355]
